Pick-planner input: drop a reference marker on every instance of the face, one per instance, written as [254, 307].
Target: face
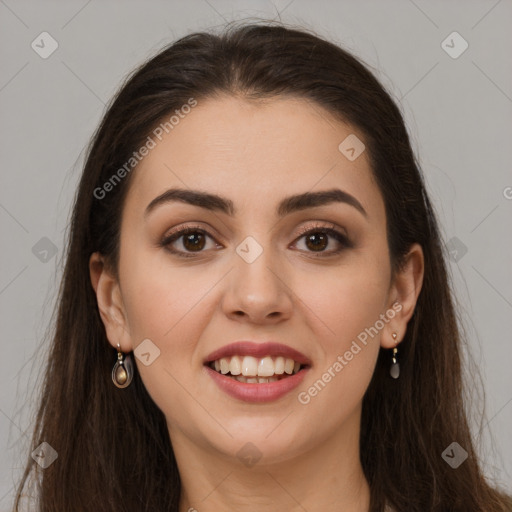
[314, 276]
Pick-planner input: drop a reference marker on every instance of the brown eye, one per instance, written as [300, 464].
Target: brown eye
[194, 241]
[317, 241]
[185, 242]
[319, 238]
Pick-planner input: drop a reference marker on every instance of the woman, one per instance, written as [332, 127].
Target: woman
[255, 311]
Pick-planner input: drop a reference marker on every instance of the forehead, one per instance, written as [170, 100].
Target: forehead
[254, 151]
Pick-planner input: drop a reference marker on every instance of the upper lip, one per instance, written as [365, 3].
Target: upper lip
[251, 348]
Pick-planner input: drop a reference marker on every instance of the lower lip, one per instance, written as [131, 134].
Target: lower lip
[259, 393]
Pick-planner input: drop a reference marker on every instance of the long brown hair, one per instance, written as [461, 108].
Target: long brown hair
[114, 451]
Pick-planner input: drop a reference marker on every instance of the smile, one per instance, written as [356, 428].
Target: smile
[252, 370]
[256, 372]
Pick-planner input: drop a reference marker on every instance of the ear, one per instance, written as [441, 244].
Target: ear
[110, 303]
[404, 291]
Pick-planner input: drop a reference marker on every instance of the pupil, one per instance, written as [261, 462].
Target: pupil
[318, 241]
[190, 244]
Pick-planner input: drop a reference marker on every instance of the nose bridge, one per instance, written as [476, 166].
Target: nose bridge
[257, 287]
[254, 261]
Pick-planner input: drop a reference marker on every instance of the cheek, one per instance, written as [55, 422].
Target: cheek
[336, 387]
[169, 306]
[347, 299]
[158, 297]
[347, 305]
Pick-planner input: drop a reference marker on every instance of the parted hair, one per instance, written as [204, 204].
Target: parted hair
[114, 451]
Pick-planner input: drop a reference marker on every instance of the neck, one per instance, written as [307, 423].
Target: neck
[326, 477]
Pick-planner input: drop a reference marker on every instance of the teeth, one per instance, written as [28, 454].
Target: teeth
[288, 366]
[266, 367]
[235, 366]
[251, 369]
[279, 366]
[224, 366]
[261, 380]
[249, 366]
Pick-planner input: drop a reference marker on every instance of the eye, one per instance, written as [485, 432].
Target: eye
[317, 239]
[192, 239]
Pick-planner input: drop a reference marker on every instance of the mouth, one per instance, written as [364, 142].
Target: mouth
[253, 370]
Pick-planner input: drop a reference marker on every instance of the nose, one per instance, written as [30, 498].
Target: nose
[258, 292]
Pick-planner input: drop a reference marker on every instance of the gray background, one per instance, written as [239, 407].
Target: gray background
[458, 111]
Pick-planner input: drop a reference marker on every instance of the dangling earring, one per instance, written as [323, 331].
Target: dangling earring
[394, 371]
[122, 373]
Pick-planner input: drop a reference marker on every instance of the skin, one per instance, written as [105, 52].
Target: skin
[256, 154]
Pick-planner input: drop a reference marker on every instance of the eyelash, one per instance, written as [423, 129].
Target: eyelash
[328, 230]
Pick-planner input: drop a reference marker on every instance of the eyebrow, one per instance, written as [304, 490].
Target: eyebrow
[288, 205]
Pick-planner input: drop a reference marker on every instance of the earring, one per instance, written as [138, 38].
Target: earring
[394, 371]
[122, 373]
